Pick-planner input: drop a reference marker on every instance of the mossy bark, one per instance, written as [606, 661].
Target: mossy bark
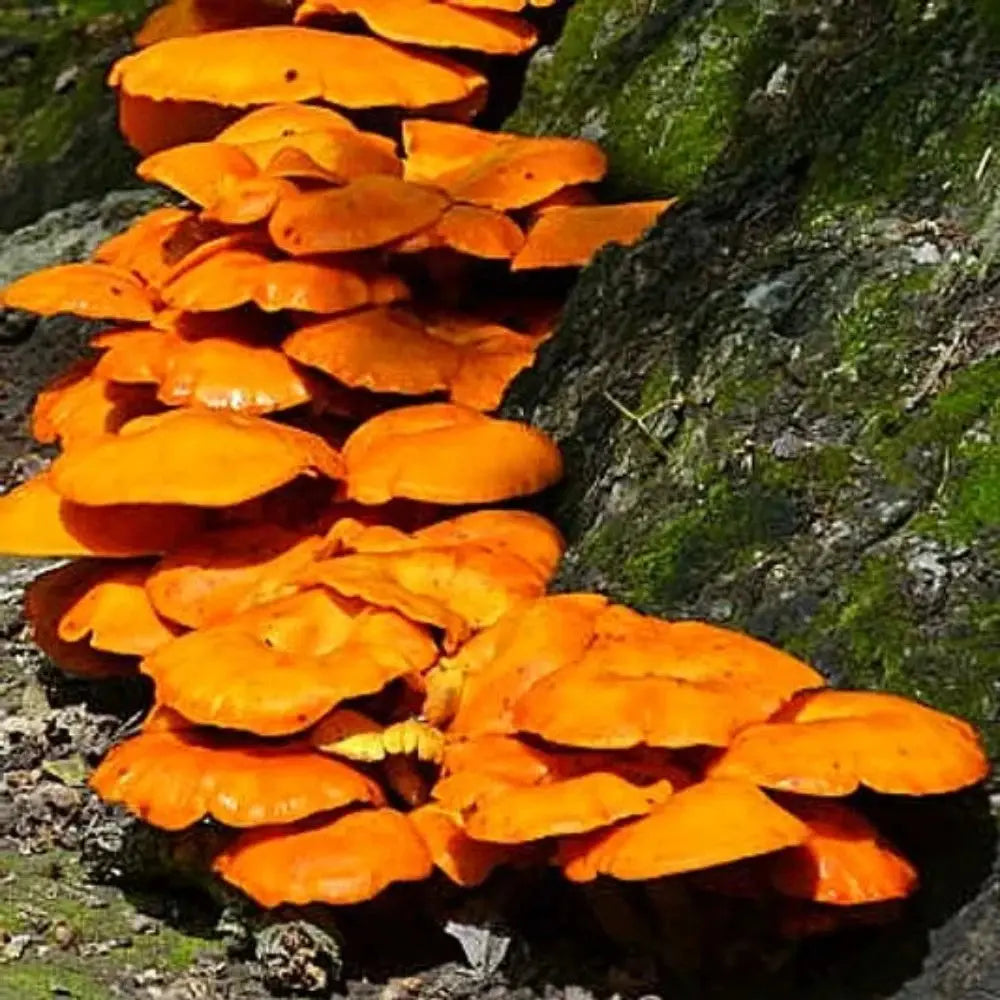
[781, 411]
[58, 140]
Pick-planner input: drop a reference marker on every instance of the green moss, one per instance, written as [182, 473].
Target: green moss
[914, 140]
[662, 103]
[53, 884]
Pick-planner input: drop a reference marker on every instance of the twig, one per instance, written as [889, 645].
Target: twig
[639, 420]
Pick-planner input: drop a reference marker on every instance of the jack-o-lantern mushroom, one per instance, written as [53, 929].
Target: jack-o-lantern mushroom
[459, 584]
[81, 403]
[663, 684]
[831, 742]
[346, 859]
[197, 457]
[496, 170]
[172, 778]
[36, 520]
[217, 373]
[292, 64]
[396, 350]
[236, 276]
[309, 651]
[341, 220]
[103, 605]
[570, 236]
[447, 454]
[220, 573]
[710, 823]
[431, 23]
[93, 290]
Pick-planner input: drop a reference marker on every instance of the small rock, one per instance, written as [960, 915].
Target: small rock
[143, 924]
[298, 957]
[66, 80]
[63, 935]
[15, 948]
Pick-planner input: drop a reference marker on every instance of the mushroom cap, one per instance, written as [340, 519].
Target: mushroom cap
[36, 521]
[394, 350]
[346, 859]
[497, 170]
[666, 684]
[106, 606]
[459, 589]
[149, 126]
[45, 599]
[501, 663]
[465, 861]
[518, 815]
[844, 862]
[245, 67]
[433, 24]
[336, 156]
[235, 276]
[308, 650]
[830, 742]
[92, 290]
[195, 457]
[339, 220]
[282, 120]
[710, 823]
[151, 245]
[79, 404]
[448, 454]
[174, 778]
[221, 573]
[570, 236]
[198, 169]
[218, 373]
[179, 18]
[469, 229]
[529, 536]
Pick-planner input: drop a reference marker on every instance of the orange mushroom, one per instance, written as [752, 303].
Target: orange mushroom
[497, 170]
[471, 230]
[343, 219]
[666, 684]
[219, 373]
[395, 350]
[465, 861]
[478, 687]
[172, 778]
[196, 457]
[108, 608]
[309, 651]
[36, 521]
[179, 18]
[346, 859]
[224, 572]
[292, 64]
[458, 589]
[198, 169]
[570, 236]
[45, 600]
[79, 404]
[95, 291]
[431, 23]
[149, 126]
[235, 276]
[152, 244]
[831, 742]
[710, 823]
[443, 453]
[283, 120]
[844, 862]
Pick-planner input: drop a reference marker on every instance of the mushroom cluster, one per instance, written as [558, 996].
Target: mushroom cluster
[285, 500]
